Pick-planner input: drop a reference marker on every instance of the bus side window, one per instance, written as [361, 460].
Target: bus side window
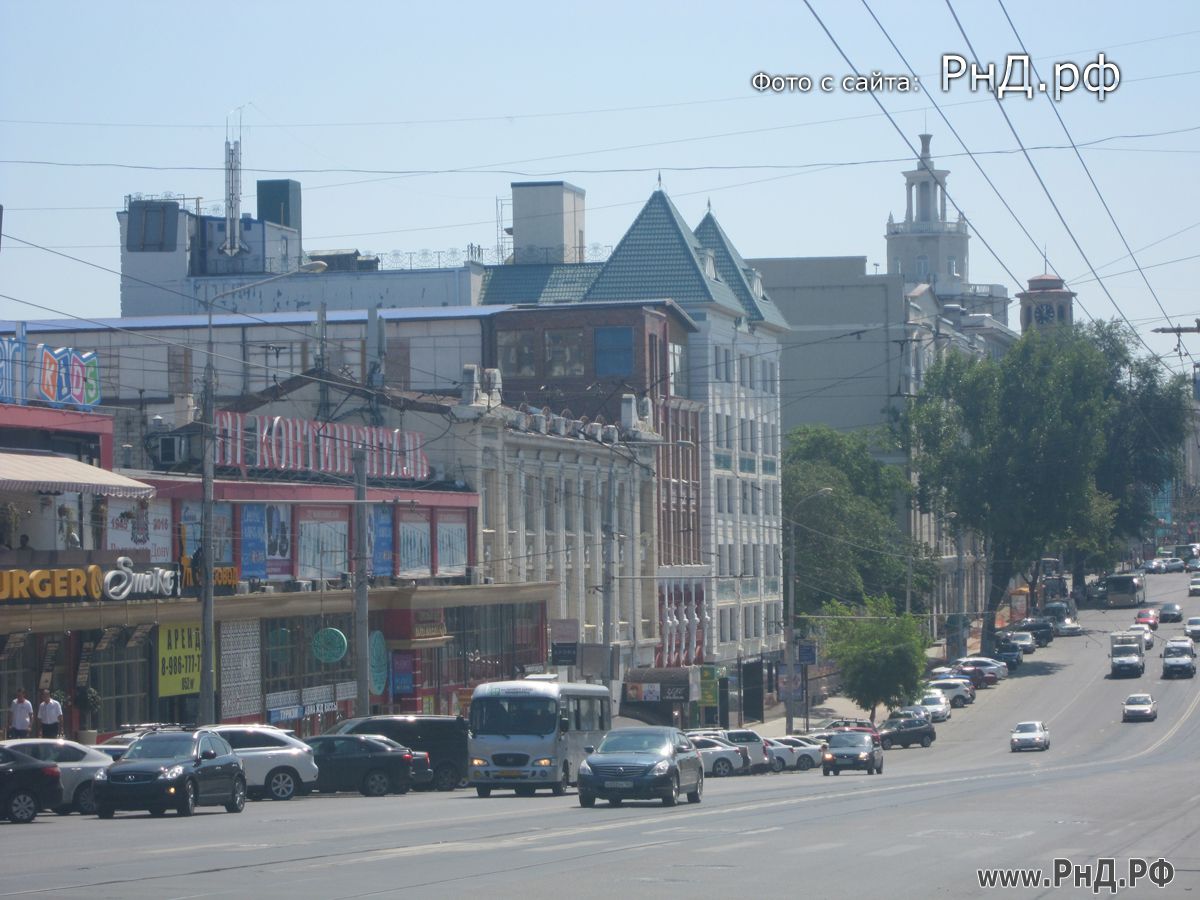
[576, 714]
[605, 714]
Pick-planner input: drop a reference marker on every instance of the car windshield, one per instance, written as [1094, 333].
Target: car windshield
[892, 723]
[1027, 728]
[932, 701]
[514, 715]
[633, 742]
[1176, 651]
[1138, 700]
[161, 746]
[850, 739]
[1194, 620]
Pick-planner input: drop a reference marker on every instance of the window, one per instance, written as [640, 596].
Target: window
[718, 364]
[614, 351]
[753, 435]
[729, 485]
[922, 266]
[677, 383]
[747, 559]
[720, 496]
[564, 352]
[728, 355]
[515, 352]
[745, 508]
[744, 371]
[951, 266]
[744, 435]
[723, 617]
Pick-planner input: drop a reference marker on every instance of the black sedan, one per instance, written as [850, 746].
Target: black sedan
[368, 763]
[27, 786]
[641, 764]
[1170, 612]
[852, 750]
[176, 769]
[906, 732]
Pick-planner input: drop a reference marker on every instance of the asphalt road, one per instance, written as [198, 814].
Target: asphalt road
[921, 829]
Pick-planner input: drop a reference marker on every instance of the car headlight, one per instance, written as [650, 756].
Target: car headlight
[662, 768]
[584, 769]
[170, 774]
[827, 756]
[863, 755]
[101, 775]
[476, 761]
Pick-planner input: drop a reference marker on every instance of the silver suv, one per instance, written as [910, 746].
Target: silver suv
[278, 765]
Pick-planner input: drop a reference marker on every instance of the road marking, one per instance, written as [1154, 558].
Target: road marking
[815, 848]
[763, 830]
[556, 848]
[894, 850]
[726, 848]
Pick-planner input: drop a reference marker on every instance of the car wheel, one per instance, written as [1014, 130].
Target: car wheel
[484, 792]
[587, 801]
[926, 741]
[824, 771]
[698, 794]
[187, 803]
[525, 790]
[402, 788]
[281, 784]
[887, 743]
[560, 789]
[614, 801]
[157, 811]
[237, 799]
[22, 807]
[776, 764]
[722, 768]
[85, 799]
[445, 777]
[106, 812]
[879, 768]
[958, 702]
[871, 769]
[804, 763]
[375, 784]
[837, 771]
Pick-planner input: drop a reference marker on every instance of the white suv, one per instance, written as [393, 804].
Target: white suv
[278, 765]
[956, 692]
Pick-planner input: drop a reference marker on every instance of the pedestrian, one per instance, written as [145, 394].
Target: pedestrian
[49, 715]
[20, 715]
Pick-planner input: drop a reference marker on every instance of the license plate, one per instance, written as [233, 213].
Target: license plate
[508, 773]
[618, 785]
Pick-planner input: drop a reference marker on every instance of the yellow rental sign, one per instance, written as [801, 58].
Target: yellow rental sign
[178, 660]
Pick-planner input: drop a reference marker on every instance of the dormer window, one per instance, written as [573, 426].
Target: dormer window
[710, 265]
[756, 284]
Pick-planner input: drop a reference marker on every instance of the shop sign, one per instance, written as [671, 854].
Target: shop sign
[178, 660]
[277, 443]
[83, 672]
[93, 582]
[428, 623]
[58, 376]
[402, 674]
[708, 686]
[329, 645]
[564, 654]
[378, 657]
[676, 692]
[806, 653]
[284, 714]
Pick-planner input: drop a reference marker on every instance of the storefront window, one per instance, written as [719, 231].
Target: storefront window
[121, 676]
[16, 671]
[288, 661]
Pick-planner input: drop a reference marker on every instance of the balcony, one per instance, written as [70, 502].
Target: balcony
[957, 227]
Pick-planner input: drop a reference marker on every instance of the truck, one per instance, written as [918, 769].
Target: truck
[1127, 652]
[1179, 658]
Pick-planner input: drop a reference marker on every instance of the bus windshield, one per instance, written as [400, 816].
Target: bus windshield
[514, 715]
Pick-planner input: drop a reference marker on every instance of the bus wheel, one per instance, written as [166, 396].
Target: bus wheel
[483, 791]
[561, 788]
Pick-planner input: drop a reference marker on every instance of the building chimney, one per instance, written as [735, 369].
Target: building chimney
[548, 222]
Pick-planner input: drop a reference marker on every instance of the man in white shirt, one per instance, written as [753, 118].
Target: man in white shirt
[20, 716]
[49, 715]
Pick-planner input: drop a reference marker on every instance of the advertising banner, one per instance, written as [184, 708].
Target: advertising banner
[178, 659]
[189, 530]
[452, 544]
[402, 674]
[279, 540]
[380, 540]
[140, 525]
[254, 541]
[415, 553]
[322, 540]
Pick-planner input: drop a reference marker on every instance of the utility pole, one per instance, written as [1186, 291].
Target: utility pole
[208, 702]
[608, 535]
[789, 633]
[362, 649]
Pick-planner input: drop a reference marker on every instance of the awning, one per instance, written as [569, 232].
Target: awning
[28, 472]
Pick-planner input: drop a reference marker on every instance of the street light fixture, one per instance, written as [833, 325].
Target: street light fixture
[207, 711]
[789, 615]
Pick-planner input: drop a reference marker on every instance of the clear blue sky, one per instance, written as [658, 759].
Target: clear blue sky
[134, 97]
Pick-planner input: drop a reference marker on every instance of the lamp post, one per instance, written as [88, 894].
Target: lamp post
[207, 711]
[789, 616]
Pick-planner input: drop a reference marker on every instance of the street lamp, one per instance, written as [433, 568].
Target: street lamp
[789, 615]
[207, 711]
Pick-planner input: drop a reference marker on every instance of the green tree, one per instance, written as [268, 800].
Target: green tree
[842, 508]
[1013, 447]
[880, 656]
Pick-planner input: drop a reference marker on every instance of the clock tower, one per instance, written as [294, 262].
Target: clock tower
[1047, 303]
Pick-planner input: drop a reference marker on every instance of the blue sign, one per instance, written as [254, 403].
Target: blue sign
[806, 653]
[254, 541]
[382, 556]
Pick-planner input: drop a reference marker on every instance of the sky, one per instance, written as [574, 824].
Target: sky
[406, 124]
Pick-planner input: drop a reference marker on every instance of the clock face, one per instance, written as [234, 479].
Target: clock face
[1043, 313]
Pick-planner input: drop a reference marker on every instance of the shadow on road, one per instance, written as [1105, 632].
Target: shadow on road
[1036, 667]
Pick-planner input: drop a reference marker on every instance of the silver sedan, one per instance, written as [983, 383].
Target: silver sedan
[78, 764]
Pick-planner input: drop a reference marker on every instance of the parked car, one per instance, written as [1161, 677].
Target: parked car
[1029, 736]
[1022, 640]
[1067, 628]
[1139, 707]
[959, 693]
[179, 769]
[277, 765]
[370, 764]
[1147, 617]
[444, 738]
[906, 732]
[720, 757]
[77, 764]
[1040, 627]
[27, 786]
[1192, 628]
[1008, 653]
[641, 764]
[938, 705]
[756, 747]
[910, 712]
[783, 756]
[1174, 564]
[808, 752]
[986, 663]
[852, 750]
[1172, 612]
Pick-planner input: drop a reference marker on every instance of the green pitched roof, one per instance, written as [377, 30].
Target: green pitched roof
[737, 273]
[553, 283]
[659, 257]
